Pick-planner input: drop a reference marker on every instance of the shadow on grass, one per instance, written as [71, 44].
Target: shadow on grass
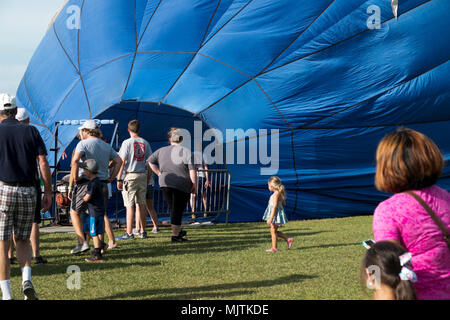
[209, 291]
[61, 268]
[331, 245]
[215, 244]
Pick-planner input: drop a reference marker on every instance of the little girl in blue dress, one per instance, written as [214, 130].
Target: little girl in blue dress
[274, 214]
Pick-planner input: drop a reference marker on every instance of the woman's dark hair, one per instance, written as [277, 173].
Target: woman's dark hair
[407, 160]
[386, 256]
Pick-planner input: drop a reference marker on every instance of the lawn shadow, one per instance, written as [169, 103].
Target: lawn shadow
[215, 244]
[107, 264]
[209, 291]
[331, 245]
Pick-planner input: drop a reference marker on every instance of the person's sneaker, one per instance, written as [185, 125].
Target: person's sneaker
[28, 291]
[94, 259]
[39, 260]
[77, 249]
[85, 247]
[194, 216]
[142, 235]
[205, 215]
[126, 236]
[155, 230]
[289, 242]
[178, 239]
[136, 232]
[182, 233]
[271, 250]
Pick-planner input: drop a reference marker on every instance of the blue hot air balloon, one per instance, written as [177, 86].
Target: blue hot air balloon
[320, 82]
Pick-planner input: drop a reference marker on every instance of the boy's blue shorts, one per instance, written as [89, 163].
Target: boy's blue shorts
[86, 222]
[96, 225]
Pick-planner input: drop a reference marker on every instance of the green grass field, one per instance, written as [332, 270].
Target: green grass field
[219, 262]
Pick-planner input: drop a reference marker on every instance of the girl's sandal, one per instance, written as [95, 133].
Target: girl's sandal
[289, 242]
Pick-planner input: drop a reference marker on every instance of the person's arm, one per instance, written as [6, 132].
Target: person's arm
[276, 198]
[74, 172]
[46, 176]
[149, 173]
[155, 169]
[207, 182]
[119, 175]
[89, 192]
[117, 163]
[87, 198]
[154, 164]
[193, 176]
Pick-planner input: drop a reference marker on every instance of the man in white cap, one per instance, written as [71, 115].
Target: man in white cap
[20, 146]
[24, 117]
[91, 146]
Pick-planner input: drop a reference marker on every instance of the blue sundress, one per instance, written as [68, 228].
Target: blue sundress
[280, 216]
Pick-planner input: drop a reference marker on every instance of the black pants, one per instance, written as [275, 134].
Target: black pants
[177, 201]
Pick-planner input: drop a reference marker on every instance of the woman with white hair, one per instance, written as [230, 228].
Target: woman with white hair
[177, 178]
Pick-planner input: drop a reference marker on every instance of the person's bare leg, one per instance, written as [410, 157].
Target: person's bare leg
[5, 270]
[34, 239]
[193, 202]
[282, 235]
[130, 219]
[141, 216]
[97, 242]
[11, 250]
[137, 222]
[4, 261]
[23, 252]
[273, 233]
[78, 226]
[153, 215]
[205, 204]
[110, 233]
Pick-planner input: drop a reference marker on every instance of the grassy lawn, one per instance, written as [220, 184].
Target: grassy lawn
[219, 262]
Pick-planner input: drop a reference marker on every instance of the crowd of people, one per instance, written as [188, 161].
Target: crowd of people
[411, 250]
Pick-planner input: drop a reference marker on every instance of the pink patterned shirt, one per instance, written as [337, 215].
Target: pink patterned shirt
[402, 218]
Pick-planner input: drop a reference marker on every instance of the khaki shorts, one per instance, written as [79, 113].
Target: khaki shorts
[134, 189]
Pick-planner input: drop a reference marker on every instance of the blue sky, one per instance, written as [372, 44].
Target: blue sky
[23, 23]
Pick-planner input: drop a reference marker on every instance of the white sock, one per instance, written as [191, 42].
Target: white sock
[26, 274]
[6, 289]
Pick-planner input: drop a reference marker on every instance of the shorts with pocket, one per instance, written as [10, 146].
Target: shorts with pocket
[134, 189]
[17, 209]
[79, 191]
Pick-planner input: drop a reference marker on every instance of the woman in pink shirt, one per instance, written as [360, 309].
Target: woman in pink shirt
[409, 161]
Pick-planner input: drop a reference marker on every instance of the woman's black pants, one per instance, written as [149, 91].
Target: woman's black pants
[177, 201]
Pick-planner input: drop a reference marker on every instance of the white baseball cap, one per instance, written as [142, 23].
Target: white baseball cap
[7, 102]
[89, 124]
[22, 114]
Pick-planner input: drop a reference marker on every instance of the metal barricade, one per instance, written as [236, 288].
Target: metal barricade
[211, 199]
